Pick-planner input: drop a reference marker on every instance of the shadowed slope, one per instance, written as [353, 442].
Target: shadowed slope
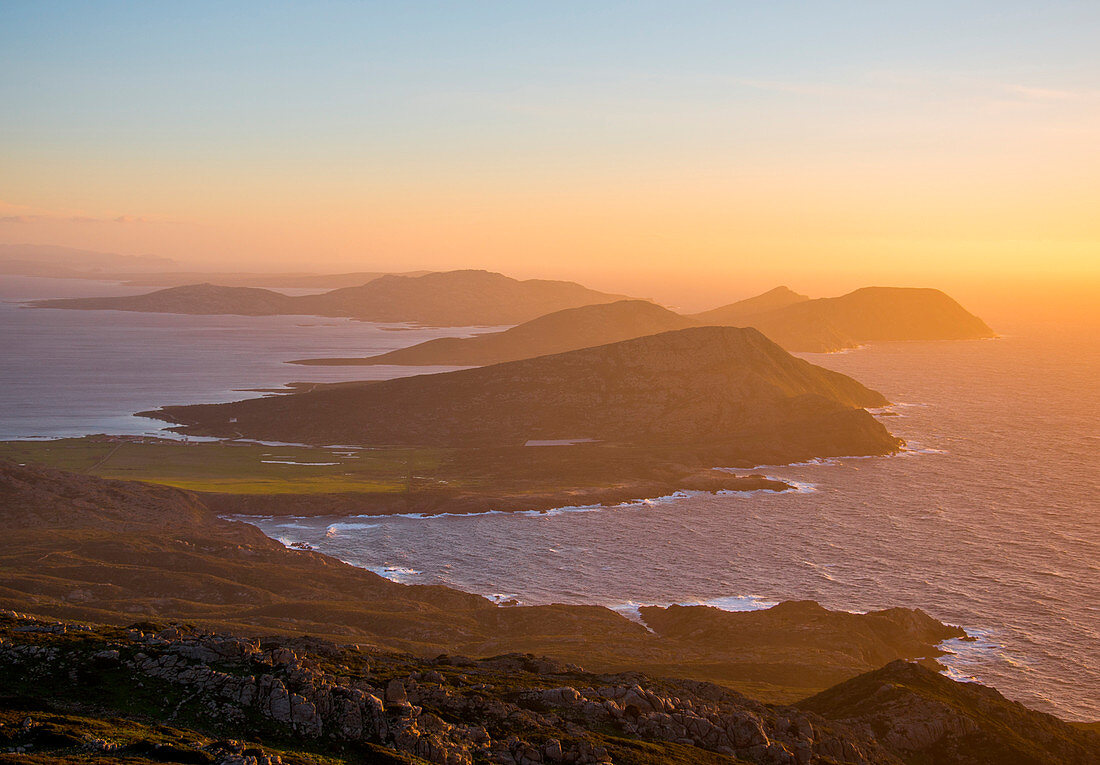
[556, 332]
[699, 385]
[927, 718]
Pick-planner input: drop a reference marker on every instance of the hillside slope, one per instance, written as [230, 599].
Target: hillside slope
[692, 386]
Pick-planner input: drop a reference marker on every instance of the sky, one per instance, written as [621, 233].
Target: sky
[683, 151]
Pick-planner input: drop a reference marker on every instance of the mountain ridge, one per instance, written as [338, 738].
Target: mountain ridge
[452, 298]
[557, 332]
[794, 321]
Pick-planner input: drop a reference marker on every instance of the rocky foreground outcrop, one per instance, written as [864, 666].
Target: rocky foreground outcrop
[79, 690]
[926, 717]
[513, 710]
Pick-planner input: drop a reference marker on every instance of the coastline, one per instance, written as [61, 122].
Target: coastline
[458, 502]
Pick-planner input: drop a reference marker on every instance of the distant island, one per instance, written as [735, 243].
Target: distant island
[483, 298]
[446, 299]
[870, 314]
[567, 330]
[794, 321]
[55, 262]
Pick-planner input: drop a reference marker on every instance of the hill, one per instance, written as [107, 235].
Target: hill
[689, 387]
[453, 298]
[925, 717]
[734, 314]
[292, 280]
[188, 299]
[866, 315]
[557, 332]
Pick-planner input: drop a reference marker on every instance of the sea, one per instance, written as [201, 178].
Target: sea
[990, 519]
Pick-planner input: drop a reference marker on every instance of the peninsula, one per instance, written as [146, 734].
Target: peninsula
[723, 387]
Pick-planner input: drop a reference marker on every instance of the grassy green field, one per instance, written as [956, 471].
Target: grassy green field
[240, 468]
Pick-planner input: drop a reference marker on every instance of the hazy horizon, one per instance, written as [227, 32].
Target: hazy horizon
[694, 154]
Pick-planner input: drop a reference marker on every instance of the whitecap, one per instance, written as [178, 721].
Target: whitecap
[334, 529]
[292, 462]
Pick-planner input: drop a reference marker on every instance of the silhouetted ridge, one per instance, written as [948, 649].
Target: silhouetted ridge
[452, 298]
[927, 718]
[187, 299]
[731, 314]
[557, 332]
[866, 315]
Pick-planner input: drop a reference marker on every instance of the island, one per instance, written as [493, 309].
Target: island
[870, 314]
[794, 321]
[445, 299]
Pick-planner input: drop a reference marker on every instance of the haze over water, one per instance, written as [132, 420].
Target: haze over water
[74, 373]
[991, 523]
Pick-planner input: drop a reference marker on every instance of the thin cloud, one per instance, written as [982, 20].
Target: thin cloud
[1044, 94]
[23, 214]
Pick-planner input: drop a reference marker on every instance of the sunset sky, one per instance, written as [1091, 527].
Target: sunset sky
[677, 150]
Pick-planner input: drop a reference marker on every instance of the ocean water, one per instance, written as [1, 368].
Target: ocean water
[74, 373]
[991, 520]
